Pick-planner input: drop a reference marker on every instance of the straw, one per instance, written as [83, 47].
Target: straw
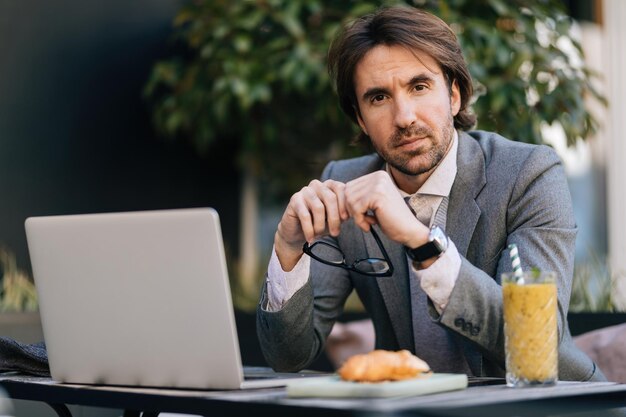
[517, 264]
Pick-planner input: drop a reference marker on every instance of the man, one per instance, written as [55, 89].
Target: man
[401, 76]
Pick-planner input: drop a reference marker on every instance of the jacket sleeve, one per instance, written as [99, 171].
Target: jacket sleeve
[540, 221]
[294, 336]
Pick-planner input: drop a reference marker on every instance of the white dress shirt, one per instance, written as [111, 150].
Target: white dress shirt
[437, 280]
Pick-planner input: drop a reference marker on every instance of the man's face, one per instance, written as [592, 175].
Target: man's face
[406, 107]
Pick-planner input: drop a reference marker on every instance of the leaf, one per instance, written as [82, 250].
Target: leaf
[242, 43]
[254, 72]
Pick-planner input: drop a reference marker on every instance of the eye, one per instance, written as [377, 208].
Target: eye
[378, 98]
[420, 87]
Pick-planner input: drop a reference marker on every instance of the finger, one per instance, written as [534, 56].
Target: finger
[358, 215]
[356, 202]
[301, 211]
[366, 221]
[371, 219]
[317, 210]
[338, 188]
[362, 224]
[372, 188]
[330, 200]
[333, 218]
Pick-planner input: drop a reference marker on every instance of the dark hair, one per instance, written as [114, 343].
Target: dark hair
[412, 28]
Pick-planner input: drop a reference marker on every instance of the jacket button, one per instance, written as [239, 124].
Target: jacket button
[459, 322]
[475, 330]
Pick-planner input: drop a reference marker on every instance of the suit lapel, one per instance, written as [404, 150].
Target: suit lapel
[463, 215]
[463, 212]
[394, 289]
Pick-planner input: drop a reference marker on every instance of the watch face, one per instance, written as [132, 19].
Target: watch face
[439, 238]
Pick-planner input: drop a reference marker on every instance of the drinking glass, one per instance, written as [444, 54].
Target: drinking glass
[530, 328]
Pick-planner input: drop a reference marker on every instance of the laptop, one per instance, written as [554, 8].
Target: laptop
[139, 299]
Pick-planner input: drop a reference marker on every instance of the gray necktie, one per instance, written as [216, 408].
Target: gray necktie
[421, 208]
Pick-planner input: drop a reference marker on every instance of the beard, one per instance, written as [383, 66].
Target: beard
[421, 160]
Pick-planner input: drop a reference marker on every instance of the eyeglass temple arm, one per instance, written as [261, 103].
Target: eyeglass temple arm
[382, 249]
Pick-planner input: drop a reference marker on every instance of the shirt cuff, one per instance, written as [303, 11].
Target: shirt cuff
[438, 279]
[282, 285]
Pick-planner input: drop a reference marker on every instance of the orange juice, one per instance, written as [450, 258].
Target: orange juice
[530, 329]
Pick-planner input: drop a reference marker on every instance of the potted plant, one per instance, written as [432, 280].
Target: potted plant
[254, 72]
[19, 315]
[592, 305]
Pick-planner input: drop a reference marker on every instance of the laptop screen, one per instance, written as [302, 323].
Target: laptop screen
[136, 298]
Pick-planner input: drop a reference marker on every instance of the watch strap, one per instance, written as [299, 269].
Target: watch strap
[436, 245]
[421, 253]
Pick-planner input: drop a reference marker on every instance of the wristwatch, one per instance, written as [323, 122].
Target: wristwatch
[436, 245]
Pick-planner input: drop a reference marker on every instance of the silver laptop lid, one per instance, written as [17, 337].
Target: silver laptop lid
[137, 298]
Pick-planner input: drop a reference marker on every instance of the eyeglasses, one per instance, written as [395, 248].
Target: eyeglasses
[330, 254]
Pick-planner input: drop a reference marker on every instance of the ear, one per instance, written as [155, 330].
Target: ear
[455, 98]
[360, 120]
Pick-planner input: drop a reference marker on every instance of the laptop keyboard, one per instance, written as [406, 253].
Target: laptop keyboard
[252, 373]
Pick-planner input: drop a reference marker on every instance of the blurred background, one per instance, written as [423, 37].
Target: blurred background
[117, 106]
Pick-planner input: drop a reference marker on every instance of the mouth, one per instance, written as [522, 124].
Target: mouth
[410, 141]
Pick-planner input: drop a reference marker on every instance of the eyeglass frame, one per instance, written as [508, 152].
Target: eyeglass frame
[306, 248]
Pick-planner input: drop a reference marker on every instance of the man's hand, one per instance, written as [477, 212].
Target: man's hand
[316, 210]
[319, 209]
[374, 199]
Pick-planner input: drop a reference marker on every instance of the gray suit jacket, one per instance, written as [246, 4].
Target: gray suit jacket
[504, 192]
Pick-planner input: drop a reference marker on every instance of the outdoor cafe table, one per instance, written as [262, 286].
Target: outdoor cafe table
[595, 398]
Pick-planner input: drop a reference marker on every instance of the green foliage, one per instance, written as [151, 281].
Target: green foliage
[254, 71]
[527, 67]
[17, 292]
[593, 286]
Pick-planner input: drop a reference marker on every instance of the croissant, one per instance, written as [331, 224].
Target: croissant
[383, 365]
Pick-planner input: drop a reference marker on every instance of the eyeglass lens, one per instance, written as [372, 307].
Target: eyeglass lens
[333, 255]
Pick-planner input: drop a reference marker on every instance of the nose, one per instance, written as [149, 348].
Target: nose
[404, 112]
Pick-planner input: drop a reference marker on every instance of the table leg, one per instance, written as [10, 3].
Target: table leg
[60, 409]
